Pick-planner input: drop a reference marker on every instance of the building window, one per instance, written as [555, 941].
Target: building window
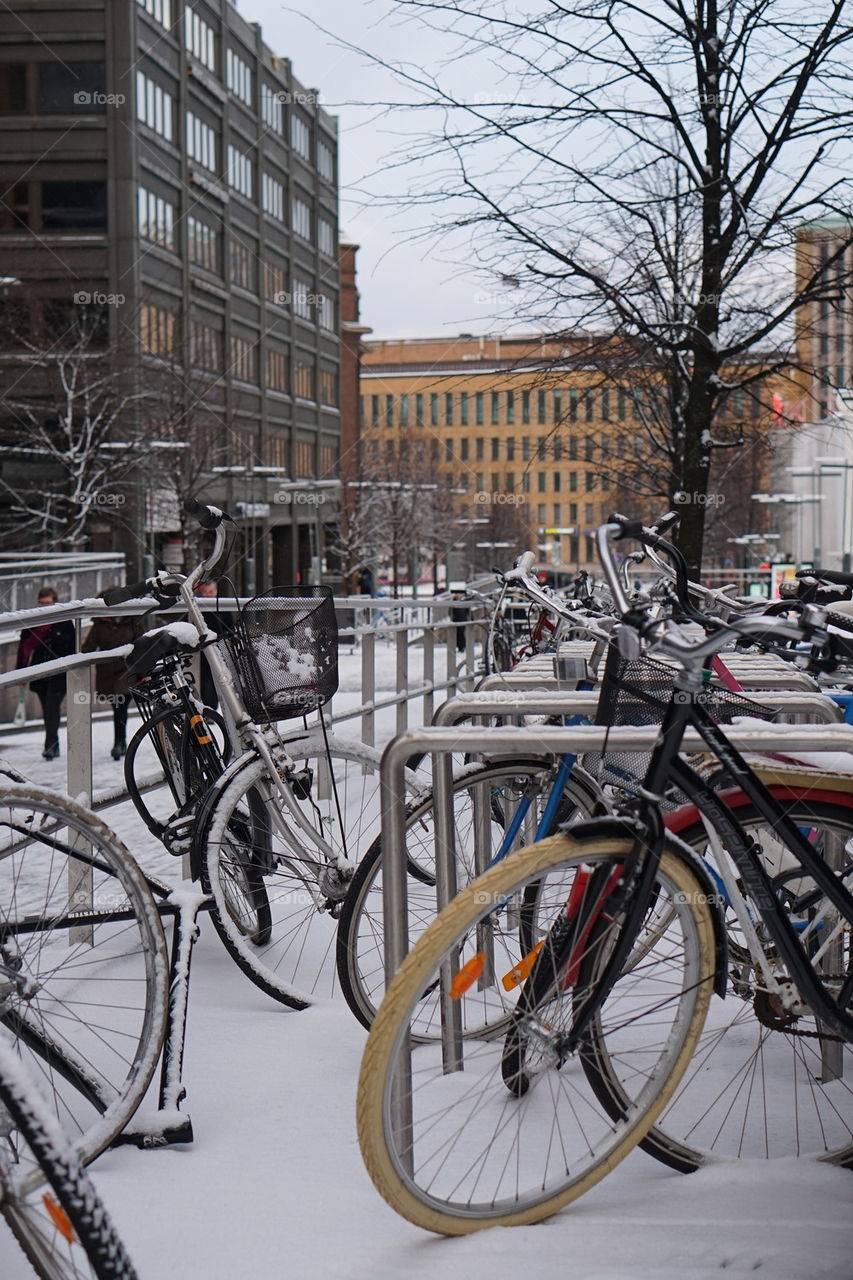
[510, 482]
[276, 371]
[589, 448]
[239, 171]
[156, 218]
[540, 514]
[304, 459]
[154, 106]
[605, 404]
[496, 448]
[478, 408]
[463, 408]
[329, 387]
[272, 197]
[374, 411]
[326, 237]
[157, 330]
[540, 407]
[573, 481]
[272, 110]
[433, 410]
[325, 161]
[589, 512]
[525, 406]
[244, 359]
[404, 410]
[389, 411]
[200, 38]
[275, 288]
[542, 482]
[621, 405]
[238, 76]
[589, 404]
[557, 513]
[525, 482]
[463, 449]
[242, 263]
[589, 481]
[448, 409]
[160, 10]
[558, 448]
[448, 451]
[419, 409]
[326, 312]
[510, 448]
[300, 136]
[205, 347]
[573, 448]
[496, 409]
[202, 244]
[302, 301]
[541, 450]
[573, 404]
[525, 448]
[300, 213]
[510, 407]
[201, 142]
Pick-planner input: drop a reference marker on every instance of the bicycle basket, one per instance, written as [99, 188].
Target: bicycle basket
[637, 692]
[283, 652]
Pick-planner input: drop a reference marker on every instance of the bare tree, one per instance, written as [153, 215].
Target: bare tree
[74, 427]
[641, 173]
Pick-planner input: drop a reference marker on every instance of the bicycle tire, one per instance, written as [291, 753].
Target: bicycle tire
[83, 962]
[187, 773]
[65, 1232]
[361, 934]
[448, 1168]
[295, 962]
[768, 1100]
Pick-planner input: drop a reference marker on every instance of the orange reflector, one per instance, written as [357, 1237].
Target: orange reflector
[516, 976]
[196, 719]
[59, 1218]
[201, 740]
[467, 975]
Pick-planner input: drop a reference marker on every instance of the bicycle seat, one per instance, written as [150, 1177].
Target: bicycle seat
[153, 647]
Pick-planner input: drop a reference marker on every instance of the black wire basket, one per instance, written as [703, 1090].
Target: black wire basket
[637, 692]
[283, 652]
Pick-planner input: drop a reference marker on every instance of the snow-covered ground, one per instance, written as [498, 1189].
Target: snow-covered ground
[274, 1186]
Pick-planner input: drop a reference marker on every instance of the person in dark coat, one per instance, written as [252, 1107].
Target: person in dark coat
[44, 644]
[111, 677]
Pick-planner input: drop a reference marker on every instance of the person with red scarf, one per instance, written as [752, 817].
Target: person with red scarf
[44, 644]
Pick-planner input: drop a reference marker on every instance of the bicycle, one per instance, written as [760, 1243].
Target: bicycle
[46, 1197]
[273, 834]
[83, 963]
[628, 936]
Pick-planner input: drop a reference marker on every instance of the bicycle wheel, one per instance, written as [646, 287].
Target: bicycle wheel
[166, 742]
[83, 963]
[763, 1084]
[46, 1197]
[454, 1150]
[245, 824]
[486, 801]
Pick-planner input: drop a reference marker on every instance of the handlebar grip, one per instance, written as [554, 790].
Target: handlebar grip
[525, 562]
[208, 517]
[666, 522]
[120, 595]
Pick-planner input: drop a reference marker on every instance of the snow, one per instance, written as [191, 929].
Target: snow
[274, 1185]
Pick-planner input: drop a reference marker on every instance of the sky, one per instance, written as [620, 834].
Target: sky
[409, 287]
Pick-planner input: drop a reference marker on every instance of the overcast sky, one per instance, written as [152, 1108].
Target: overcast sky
[408, 288]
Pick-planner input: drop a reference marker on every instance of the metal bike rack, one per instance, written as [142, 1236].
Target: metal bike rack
[441, 742]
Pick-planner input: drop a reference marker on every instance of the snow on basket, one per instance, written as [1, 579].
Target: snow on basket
[284, 652]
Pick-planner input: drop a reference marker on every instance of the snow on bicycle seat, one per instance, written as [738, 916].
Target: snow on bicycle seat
[164, 642]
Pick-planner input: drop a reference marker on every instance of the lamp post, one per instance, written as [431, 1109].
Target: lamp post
[841, 467]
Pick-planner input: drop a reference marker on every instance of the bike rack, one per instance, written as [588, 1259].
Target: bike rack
[441, 742]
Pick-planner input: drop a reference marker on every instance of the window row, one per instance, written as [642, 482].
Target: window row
[58, 205]
[53, 88]
[572, 404]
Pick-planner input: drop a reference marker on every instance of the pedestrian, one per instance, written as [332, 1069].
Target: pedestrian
[111, 677]
[44, 644]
